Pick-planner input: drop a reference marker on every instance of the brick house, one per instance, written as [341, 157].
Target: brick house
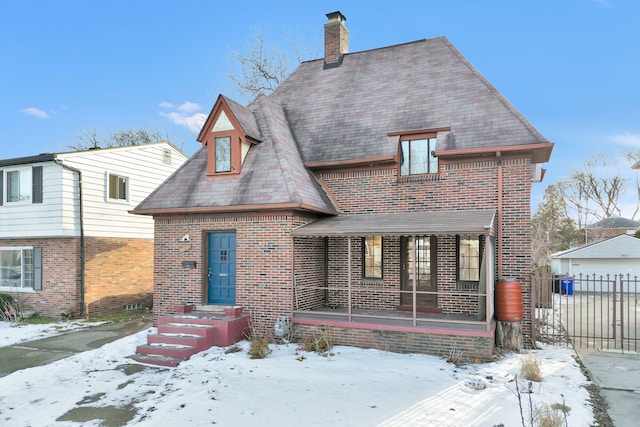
[376, 195]
[68, 245]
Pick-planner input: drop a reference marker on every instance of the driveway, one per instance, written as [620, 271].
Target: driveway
[40, 352]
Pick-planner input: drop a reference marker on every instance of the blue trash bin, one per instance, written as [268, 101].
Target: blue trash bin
[566, 286]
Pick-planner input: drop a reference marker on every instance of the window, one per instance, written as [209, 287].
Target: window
[19, 185]
[470, 250]
[372, 257]
[223, 154]
[417, 156]
[166, 156]
[20, 267]
[117, 187]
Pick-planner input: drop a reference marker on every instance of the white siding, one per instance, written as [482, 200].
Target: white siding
[145, 170]
[55, 216]
[58, 214]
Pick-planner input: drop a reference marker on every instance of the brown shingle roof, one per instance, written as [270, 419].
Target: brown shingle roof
[401, 224]
[272, 176]
[345, 113]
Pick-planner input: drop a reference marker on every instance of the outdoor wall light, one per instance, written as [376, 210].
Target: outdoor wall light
[186, 238]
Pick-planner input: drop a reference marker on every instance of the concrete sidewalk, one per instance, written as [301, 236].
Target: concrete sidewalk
[40, 352]
[618, 376]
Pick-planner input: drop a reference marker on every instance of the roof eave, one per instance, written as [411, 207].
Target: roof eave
[232, 209]
[540, 153]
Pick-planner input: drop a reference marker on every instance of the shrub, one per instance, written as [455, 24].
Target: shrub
[547, 416]
[321, 342]
[259, 348]
[530, 369]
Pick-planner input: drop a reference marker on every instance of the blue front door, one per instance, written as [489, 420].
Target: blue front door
[222, 268]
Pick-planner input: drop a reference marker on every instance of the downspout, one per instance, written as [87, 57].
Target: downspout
[81, 220]
[499, 224]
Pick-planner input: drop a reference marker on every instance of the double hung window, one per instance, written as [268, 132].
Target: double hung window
[469, 250]
[372, 257]
[19, 267]
[118, 187]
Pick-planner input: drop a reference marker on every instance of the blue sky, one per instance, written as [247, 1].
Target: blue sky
[571, 67]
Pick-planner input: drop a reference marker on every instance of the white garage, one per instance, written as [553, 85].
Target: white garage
[619, 255]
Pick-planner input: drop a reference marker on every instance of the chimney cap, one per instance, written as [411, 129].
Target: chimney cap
[336, 16]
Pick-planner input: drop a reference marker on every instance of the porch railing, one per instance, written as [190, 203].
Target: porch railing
[315, 298]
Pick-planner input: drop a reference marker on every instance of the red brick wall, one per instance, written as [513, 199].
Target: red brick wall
[468, 184]
[265, 253]
[264, 263]
[470, 347]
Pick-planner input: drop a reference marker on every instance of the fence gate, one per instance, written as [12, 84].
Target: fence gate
[590, 311]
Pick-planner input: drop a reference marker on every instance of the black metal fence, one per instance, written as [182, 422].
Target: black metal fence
[589, 311]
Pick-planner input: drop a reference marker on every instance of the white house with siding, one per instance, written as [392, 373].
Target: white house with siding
[68, 244]
[619, 255]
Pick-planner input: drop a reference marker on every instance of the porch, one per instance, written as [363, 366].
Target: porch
[418, 302]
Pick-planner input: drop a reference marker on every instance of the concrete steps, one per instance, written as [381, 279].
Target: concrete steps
[180, 336]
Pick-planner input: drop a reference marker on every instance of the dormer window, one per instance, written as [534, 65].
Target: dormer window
[417, 155]
[227, 135]
[223, 154]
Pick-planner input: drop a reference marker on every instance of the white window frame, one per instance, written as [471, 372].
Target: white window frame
[29, 185]
[127, 190]
[27, 270]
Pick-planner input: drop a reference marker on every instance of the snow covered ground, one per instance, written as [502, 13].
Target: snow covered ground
[350, 387]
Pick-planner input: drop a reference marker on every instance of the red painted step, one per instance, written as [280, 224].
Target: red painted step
[181, 336]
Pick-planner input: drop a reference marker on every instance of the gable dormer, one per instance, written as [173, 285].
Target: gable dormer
[228, 134]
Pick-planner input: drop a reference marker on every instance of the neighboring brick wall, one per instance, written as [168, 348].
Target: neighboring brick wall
[477, 347]
[118, 272]
[60, 277]
[118, 275]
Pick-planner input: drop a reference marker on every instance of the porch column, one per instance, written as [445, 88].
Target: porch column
[415, 284]
[488, 288]
[349, 277]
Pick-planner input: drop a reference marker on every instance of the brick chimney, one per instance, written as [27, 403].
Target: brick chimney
[336, 39]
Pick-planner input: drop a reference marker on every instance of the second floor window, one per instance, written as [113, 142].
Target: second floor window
[118, 187]
[417, 156]
[19, 185]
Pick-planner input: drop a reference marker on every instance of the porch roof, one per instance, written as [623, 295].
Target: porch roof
[401, 224]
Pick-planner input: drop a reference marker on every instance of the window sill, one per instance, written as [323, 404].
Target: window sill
[467, 286]
[15, 289]
[419, 178]
[368, 281]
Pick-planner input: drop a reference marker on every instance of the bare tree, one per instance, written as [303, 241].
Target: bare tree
[94, 138]
[263, 67]
[594, 192]
[552, 229]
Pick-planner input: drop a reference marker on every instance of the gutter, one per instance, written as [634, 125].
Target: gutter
[82, 249]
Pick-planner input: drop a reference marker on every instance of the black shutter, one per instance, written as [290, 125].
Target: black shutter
[37, 268]
[36, 179]
[1, 186]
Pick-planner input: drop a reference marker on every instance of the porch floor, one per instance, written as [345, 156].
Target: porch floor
[394, 320]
